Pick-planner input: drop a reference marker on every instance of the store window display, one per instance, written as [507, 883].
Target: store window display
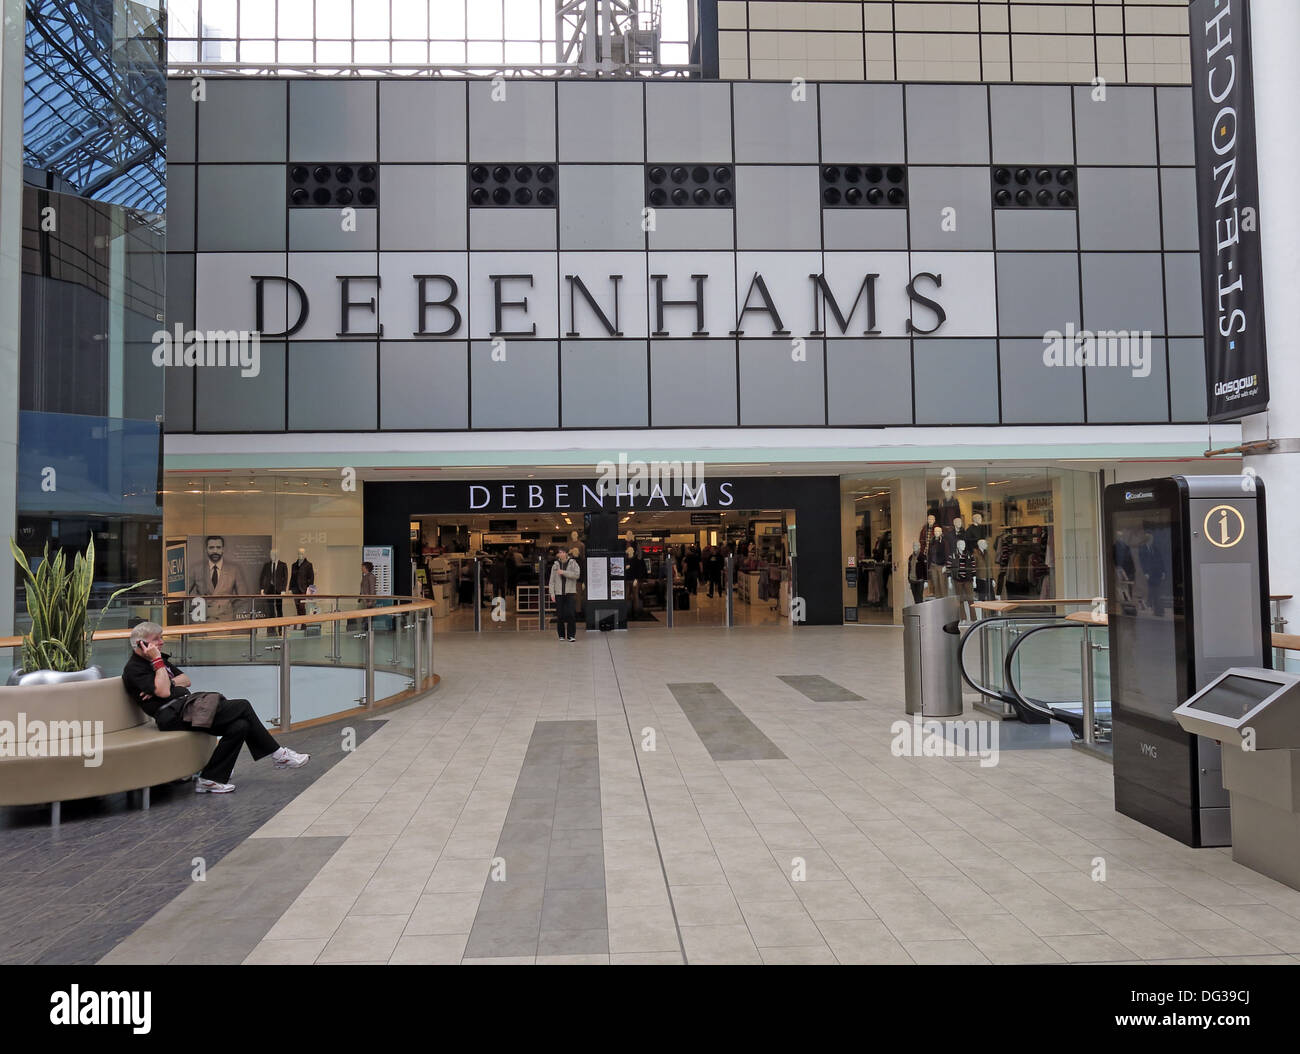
[272, 582]
[983, 571]
[937, 561]
[302, 579]
[961, 566]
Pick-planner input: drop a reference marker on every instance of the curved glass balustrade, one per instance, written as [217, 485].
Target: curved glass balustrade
[341, 657]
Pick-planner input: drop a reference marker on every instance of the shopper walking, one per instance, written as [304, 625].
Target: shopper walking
[692, 562]
[713, 569]
[563, 587]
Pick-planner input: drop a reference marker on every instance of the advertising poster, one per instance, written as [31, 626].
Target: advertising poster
[1227, 197]
[176, 567]
[597, 578]
[226, 565]
[382, 558]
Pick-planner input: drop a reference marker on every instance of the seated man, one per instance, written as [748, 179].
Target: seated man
[152, 681]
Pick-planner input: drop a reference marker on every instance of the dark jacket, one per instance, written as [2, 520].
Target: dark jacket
[961, 565]
[301, 576]
[138, 677]
[937, 554]
[274, 578]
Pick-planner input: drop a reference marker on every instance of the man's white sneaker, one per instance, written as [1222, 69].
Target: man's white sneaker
[202, 786]
[290, 759]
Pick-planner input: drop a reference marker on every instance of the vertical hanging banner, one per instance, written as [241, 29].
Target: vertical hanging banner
[1227, 201]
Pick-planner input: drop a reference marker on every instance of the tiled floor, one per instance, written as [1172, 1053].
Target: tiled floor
[837, 851]
[71, 894]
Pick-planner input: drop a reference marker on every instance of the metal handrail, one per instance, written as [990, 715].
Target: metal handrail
[983, 626]
[1026, 707]
[423, 677]
[1076, 722]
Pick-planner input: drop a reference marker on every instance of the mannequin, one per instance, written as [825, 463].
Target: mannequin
[977, 530]
[273, 580]
[961, 564]
[301, 576]
[927, 534]
[957, 530]
[983, 569]
[916, 573]
[937, 562]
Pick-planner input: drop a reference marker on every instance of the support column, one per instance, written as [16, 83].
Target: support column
[11, 229]
[848, 547]
[1275, 28]
[907, 512]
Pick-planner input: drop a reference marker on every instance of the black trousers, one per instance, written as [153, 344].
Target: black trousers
[236, 723]
[564, 616]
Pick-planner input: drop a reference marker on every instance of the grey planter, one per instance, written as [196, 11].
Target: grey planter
[20, 679]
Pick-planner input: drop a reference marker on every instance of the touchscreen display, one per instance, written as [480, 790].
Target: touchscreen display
[1145, 612]
[1234, 697]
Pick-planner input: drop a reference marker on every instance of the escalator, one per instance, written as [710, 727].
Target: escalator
[1035, 665]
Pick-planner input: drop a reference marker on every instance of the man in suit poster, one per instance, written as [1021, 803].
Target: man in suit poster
[226, 566]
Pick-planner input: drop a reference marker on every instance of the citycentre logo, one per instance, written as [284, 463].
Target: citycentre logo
[1236, 388]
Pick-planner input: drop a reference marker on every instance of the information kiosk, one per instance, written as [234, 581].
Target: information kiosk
[1255, 715]
[1187, 598]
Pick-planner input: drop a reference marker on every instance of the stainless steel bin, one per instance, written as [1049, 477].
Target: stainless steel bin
[931, 678]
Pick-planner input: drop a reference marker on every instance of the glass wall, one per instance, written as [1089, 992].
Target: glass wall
[976, 532]
[376, 33]
[294, 516]
[93, 283]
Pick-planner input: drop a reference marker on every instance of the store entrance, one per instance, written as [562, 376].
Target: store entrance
[514, 554]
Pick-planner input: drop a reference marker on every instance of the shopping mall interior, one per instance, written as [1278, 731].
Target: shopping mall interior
[691, 482]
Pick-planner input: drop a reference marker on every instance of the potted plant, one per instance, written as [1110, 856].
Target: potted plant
[58, 602]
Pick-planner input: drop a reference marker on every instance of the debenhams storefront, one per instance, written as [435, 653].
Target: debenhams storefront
[895, 336]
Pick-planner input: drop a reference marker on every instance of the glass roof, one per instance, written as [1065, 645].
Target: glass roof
[94, 101]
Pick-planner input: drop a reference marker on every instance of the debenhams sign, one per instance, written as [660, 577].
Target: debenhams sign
[580, 295]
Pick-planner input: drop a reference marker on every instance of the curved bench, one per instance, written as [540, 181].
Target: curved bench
[134, 755]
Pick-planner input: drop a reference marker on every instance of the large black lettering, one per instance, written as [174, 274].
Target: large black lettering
[769, 308]
[259, 305]
[822, 287]
[346, 305]
[576, 283]
[941, 316]
[499, 306]
[697, 303]
[446, 302]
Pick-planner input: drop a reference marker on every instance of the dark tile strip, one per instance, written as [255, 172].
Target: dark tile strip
[819, 689]
[723, 729]
[114, 865]
[213, 927]
[552, 901]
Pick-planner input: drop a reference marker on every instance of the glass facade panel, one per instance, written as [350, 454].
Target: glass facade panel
[93, 284]
[308, 513]
[979, 533]
[447, 32]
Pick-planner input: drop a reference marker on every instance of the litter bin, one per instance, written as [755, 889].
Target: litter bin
[931, 679]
